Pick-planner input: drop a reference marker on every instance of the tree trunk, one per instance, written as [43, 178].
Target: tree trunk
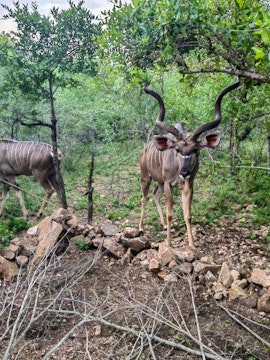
[90, 191]
[62, 194]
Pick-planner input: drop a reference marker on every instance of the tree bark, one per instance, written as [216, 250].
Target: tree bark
[90, 191]
[62, 194]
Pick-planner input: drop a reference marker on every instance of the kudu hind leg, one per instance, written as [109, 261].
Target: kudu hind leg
[18, 194]
[187, 195]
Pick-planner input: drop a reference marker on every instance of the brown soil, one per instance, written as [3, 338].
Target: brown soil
[100, 308]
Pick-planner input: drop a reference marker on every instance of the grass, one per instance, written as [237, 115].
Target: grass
[117, 193]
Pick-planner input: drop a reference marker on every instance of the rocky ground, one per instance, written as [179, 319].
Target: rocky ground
[96, 304]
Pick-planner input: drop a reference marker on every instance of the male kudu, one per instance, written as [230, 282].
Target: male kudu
[28, 158]
[172, 161]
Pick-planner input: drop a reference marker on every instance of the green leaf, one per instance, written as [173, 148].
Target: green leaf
[259, 53]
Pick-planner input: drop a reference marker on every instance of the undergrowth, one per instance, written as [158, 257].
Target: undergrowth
[243, 194]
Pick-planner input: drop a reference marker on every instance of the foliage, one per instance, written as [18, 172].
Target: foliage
[56, 45]
[9, 228]
[233, 35]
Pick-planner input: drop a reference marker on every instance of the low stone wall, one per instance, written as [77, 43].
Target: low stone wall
[250, 287]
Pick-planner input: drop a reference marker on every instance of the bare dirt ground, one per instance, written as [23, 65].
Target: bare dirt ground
[89, 305]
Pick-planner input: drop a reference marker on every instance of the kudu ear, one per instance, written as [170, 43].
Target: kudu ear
[211, 140]
[163, 142]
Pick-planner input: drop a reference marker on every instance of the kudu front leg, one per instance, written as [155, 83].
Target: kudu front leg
[19, 196]
[158, 192]
[187, 194]
[5, 190]
[169, 210]
[145, 184]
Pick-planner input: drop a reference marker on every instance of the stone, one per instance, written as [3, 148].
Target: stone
[8, 269]
[14, 248]
[235, 274]
[171, 278]
[210, 277]
[235, 292]
[264, 302]
[109, 229]
[184, 268]
[225, 275]
[240, 283]
[61, 215]
[154, 265]
[260, 277]
[184, 254]
[203, 268]
[162, 274]
[136, 244]
[130, 232]
[7, 254]
[22, 260]
[72, 221]
[33, 231]
[126, 258]
[15, 241]
[220, 290]
[249, 301]
[110, 244]
[165, 254]
[48, 235]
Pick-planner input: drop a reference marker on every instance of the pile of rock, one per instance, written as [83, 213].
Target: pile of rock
[250, 287]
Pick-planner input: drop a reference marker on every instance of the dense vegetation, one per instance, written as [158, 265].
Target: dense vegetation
[92, 103]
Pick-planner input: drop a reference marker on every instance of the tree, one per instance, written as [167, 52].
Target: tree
[46, 52]
[234, 35]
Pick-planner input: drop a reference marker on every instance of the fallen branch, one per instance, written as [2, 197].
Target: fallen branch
[245, 326]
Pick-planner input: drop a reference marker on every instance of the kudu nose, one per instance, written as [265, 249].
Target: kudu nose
[185, 175]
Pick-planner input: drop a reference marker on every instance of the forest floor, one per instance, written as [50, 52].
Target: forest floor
[89, 305]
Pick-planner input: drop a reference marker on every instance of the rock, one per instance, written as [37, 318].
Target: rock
[126, 258]
[165, 254]
[72, 221]
[171, 278]
[61, 215]
[48, 235]
[108, 229]
[236, 292]
[8, 269]
[154, 265]
[7, 254]
[163, 273]
[131, 233]
[136, 244]
[22, 260]
[116, 249]
[225, 275]
[235, 274]
[184, 254]
[219, 290]
[203, 268]
[15, 241]
[33, 231]
[184, 268]
[27, 249]
[14, 248]
[249, 301]
[264, 302]
[260, 277]
[210, 277]
[240, 283]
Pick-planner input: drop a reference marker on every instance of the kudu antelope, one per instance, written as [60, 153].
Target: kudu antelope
[172, 161]
[27, 158]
